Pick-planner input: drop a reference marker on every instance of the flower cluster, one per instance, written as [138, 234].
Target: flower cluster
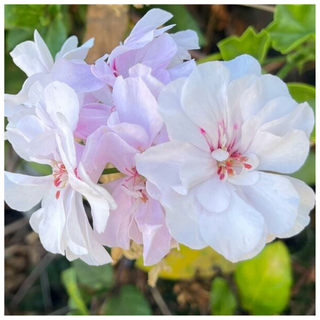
[198, 148]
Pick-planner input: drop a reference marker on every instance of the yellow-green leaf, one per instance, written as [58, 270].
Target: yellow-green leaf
[264, 282]
[186, 263]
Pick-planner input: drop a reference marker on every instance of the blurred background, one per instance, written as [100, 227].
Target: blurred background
[280, 280]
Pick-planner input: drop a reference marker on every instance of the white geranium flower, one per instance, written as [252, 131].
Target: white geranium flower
[61, 221]
[230, 128]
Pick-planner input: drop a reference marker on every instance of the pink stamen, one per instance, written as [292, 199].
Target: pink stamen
[204, 133]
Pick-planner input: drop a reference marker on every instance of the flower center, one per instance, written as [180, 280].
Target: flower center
[229, 164]
[60, 177]
[138, 187]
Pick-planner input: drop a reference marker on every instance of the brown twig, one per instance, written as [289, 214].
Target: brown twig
[159, 301]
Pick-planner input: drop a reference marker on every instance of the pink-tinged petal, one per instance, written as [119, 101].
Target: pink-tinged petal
[77, 75]
[23, 192]
[266, 88]
[167, 166]
[135, 104]
[182, 69]
[214, 195]
[43, 51]
[153, 19]
[242, 66]
[203, 98]
[234, 232]
[151, 222]
[117, 152]
[276, 199]
[25, 56]
[116, 233]
[178, 125]
[280, 154]
[52, 226]
[60, 98]
[182, 218]
[144, 72]
[91, 117]
[133, 134]
[306, 204]
[103, 72]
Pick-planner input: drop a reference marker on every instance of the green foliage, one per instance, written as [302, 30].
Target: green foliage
[255, 44]
[307, 172]
[222, 299]
[264, 282]
[98, 278]
[69, 280]
[25, 16]
[130, 301]
[50, 20]
[293, 25]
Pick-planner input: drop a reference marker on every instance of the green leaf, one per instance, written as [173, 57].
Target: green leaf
[307, 172]
[210, 57]
[255, 44]
[222, 299]
[302, 92]
[129, 301]
[55, 35]
[16, 36]
[69, 280]
[185, 263]
[94, 277]
[292, 26]
[264, 282]
[25, 16]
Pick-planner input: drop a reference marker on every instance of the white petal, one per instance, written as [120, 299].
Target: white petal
[25, 56]
[182, 217]
[234, 232]
[178, 125]
[168, 165]
[214, 194]
[43, 51]
[203, 97]
[242, 66]
[70, 44]
[53, 223]
[306, 204]
[280, 154]
[79, 53]
[23, 192]
[276, 199]
[59, 97]
[266, 88]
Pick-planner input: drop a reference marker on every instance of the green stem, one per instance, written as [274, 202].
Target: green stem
[283, 72]
[110, 171]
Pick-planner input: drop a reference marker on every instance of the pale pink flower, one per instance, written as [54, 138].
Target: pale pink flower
[133, 127]
[230, 128]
